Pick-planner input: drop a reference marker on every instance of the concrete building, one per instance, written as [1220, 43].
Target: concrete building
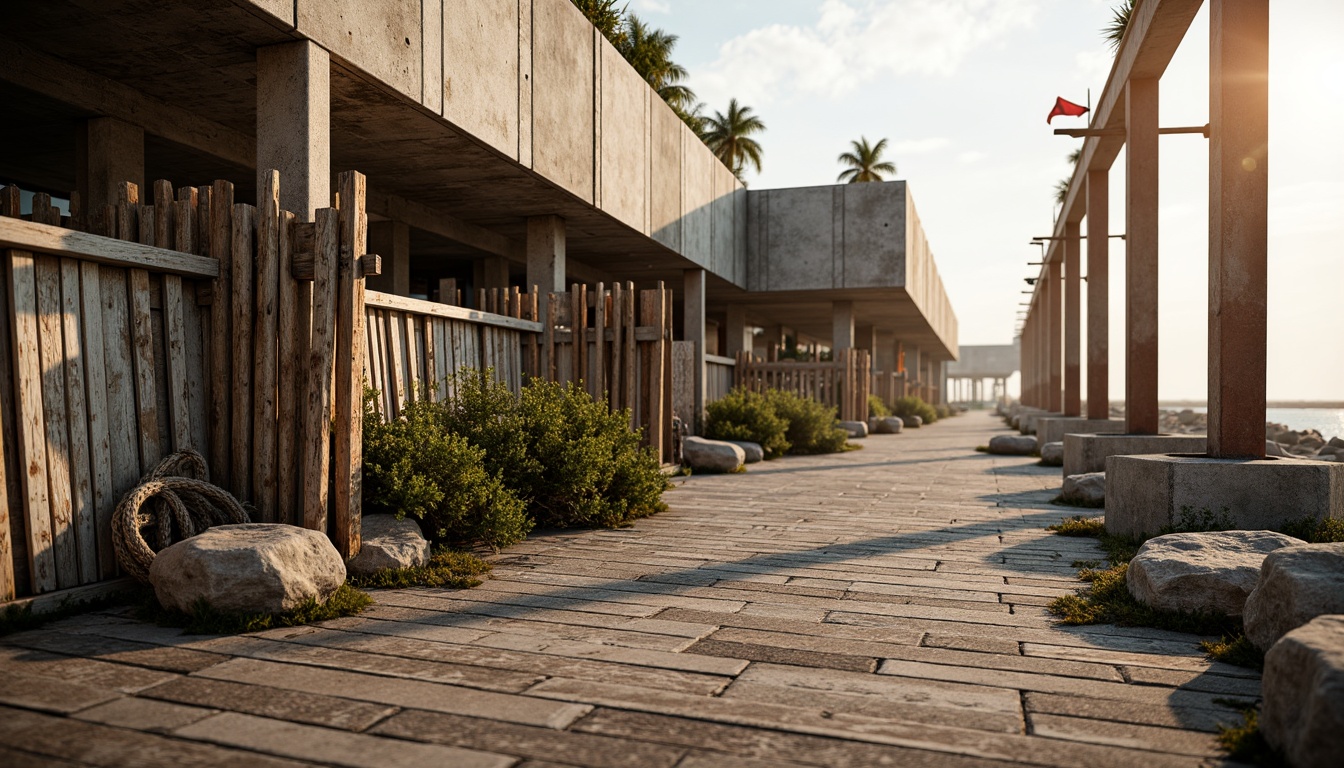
[505, 143]
[976, 365]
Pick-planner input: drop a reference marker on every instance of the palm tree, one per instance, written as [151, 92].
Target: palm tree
[1115, 31]
[605, 16]
[1075, 156]
[865, 162]
[694, 118]
[649, 52]
[729, 137]
[1061, 191]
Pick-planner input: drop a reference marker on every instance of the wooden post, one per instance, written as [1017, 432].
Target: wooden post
[1098, 295]
[317, 400]
[242, 447]
[265, 352]
[288, 383]
[221, 337]
[354, 226]
[1141, 263]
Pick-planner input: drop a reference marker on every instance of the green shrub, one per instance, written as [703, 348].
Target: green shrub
[943, 411]
[745, 415]
[413, 465]
[877, 408]
[1313, 531]
[812, 426]
[914, 406]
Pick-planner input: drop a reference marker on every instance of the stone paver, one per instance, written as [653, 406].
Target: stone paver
[879, 607]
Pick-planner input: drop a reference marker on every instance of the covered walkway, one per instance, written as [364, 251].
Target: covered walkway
[880, 607]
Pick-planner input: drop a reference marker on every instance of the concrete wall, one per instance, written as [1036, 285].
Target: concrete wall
[987, 361]
[564, 47]
[922, 280]
[473, 84]
[625, 139]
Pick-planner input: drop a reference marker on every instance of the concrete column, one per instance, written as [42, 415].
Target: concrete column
[392, 241]
[1055, 327]
[1073, 308]
[842, 325]
[1141, 114]
[737, 333]
[1098, 295]
[693, 313]
[1238, 216]
[915, 369]
[942, 383]
[294, 123]
[495, 272]
[108, 152]
[546, 257]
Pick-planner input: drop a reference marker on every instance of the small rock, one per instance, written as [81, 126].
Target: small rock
[1287, 437]
[1202, 571]
[1296, 585]
[1012, 445]
[855, 428]
[1336, 442]
[386, 542]
[712, 455]
[1052, 454]
[753, 451]
[1274, 449]
[1187, 417]
[1313, 442]
[891, 425]
[915, 422]
[1085, 490]
[248, 568]
[1303, 689]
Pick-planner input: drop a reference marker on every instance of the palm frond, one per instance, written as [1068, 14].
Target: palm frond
[1114, 32]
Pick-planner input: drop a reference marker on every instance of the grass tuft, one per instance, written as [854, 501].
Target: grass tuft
[1234, 649]
[1245, 742]
[1079, 525]
[1315, 531]
[446, 568]
[1107, 601]
[204, 620]
[982, 449]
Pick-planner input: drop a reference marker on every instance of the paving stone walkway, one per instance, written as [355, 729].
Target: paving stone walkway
[880, 607]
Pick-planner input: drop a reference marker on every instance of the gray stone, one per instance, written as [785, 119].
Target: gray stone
[249, 568]
[1053, 430]
[1274, 449]
[890, 425]
[1336, 442]
[1287, 437]
[1212, 571]
[1303, 710]
[753, 451]
[1052, 454]
[855, 428]
[1187, 417]
[386, 542]
[1085, 490]
[913, 422]
[1012, 445]
[1296, 585]
[712, 455]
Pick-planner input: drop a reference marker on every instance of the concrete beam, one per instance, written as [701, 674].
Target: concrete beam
[842, 325]
[1141, 183]
[1238, 225]
[294, 123]
[1098, 295]
[392, 241]
[737, 332]
[108, 151]
[425, 218]
[1073, 307]
[693, 317]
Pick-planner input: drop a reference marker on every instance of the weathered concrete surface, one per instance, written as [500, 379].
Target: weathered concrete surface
[880, 607]
[1146, 493]
[481, 93]
[1029, 421]
[1053, 429]
[1088, 453]
[383, 38]
[563, 82]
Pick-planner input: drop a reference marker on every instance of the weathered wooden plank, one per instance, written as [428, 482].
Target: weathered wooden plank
[432, 389]
[631, 357]
[286, 386]
[396, 332]
[221, 336]
[142, 356]
[265, 406]
[30, 436]
[435, 309]
[77, 413]
[52, 353]
[350, 366]
[414, 381]
[175, 347]
[617, 340]
[122, 424]
[600, 347]
[241, 282]
[11, 494]
[317, 397]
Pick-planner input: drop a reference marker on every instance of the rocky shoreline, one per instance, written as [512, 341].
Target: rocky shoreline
[1280, 440]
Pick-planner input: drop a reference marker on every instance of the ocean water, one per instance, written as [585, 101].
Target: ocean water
[1328, 421]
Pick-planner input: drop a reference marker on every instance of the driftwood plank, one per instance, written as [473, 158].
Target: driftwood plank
[241, 280]
[432, 390]
[52, 352]
[286, 387]
[264, 481]
[122, 424]
[630, 355]
[396, 332]
[600, 347]
[350, 366]
[221, 335]
[31, 433]
[175, 349]
[142, 355]
[414, 382]
[11, 511]
[77, 413]
[317, 396]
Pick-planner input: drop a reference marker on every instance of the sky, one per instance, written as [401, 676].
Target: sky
[961, 89]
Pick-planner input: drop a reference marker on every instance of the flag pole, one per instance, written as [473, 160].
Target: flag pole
[1090, 114]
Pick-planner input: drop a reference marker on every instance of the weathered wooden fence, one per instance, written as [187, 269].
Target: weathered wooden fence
[188, 322]
[843, 383]
[720, 375]
[889, 386]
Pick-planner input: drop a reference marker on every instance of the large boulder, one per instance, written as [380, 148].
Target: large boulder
[1052, 454]
[386, 542]
[912, 422]
[1303, 689]
[248, 568]
[712, 455]
[855, 428]
[890, 425]
[1212, 571]
[1012, 445]
[1085, 490]
[753, 452]
[1296, 585]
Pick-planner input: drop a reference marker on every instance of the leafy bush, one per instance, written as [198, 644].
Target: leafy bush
[914, 406]
[746, 415]
[943, 411]
[413, 465]
[812, 426]
[877, 408]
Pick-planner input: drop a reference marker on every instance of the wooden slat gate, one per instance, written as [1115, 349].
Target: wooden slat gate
[843, 383]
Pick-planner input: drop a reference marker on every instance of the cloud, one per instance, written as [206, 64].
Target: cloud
[653, 6]
[858, 42]
[974, 156]
[920, 146]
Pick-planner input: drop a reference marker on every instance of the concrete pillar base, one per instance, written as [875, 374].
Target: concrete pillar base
[1027, 425]
[1088, 453]
[1144, 494]
[1052, 430]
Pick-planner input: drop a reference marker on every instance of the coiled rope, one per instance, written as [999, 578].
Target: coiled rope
[173, 502]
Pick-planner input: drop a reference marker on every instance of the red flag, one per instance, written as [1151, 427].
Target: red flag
[1067, 108]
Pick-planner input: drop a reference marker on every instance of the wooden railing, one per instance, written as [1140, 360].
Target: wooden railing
[720, 376]
[889, 385]
[842, 383]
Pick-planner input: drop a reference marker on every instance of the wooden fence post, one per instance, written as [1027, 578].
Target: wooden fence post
[221, 338]
[354, 225]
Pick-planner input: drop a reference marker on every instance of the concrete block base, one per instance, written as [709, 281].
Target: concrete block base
[1027, 425]
[1147, 493]
[1050, 430]
[1088, 453]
